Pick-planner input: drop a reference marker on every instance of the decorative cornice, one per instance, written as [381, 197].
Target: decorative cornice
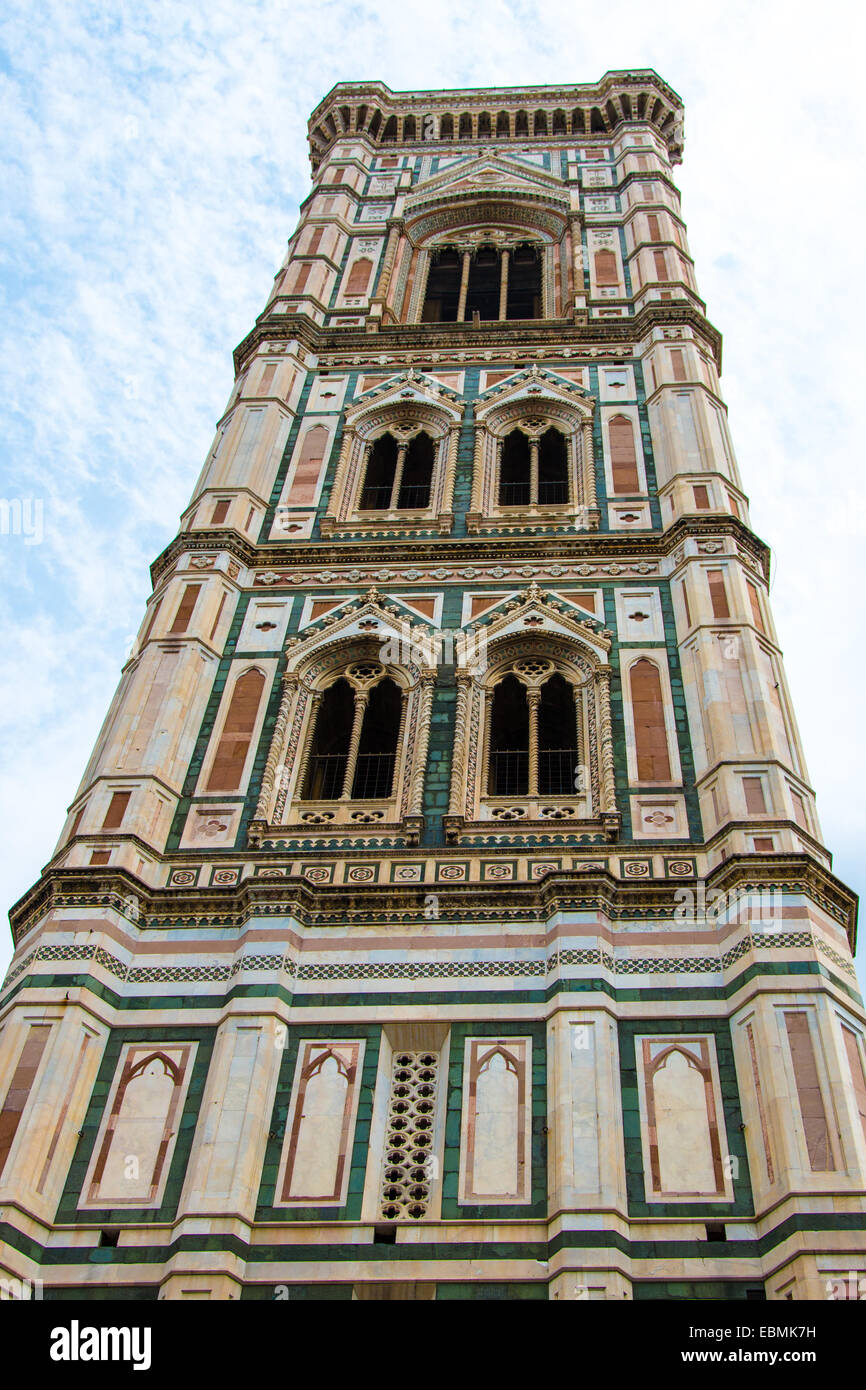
[592, 889]
[599, 548]
[521, 339]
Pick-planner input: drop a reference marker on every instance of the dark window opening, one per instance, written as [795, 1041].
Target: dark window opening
[514, 470]
[596, 123]
[409, 128]
[521, 124]
[559, 125]
[446, 128]
[516, 486]
[716, 1231]
[558, 754]
[443, 289]
[390, 131]
[330, 748]
[379, 477]
[503, 125]
[377, 751]
[484, 279]
[509, 740]
[484, 126]
[484, 287]
[465, 128]
[417, 473]
[557, 739]
[552, 467]
[540, 123]
[108, 1240]
[524, 284]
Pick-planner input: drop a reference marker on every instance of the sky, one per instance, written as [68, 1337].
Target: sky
[152, 160]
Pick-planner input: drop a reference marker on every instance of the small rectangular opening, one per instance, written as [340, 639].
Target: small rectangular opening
[716, 1231]
[385, 1235]
[109, 1239]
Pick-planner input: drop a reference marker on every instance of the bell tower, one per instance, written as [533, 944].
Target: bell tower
[443, 911]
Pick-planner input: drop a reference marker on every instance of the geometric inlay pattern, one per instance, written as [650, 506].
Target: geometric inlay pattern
[409, 1136]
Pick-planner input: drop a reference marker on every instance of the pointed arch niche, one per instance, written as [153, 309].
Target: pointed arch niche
[349, 749]
[398, 461]
[534, 460]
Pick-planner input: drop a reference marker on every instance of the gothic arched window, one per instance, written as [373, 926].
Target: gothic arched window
[443, 288]
[534, 744]
[399, 474]
[533, 471]
[353, 749]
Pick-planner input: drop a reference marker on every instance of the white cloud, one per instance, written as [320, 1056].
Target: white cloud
[155, 158]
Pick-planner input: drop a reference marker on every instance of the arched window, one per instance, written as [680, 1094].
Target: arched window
[409, 128]
[524, 283]
[533, 472]
[623, 459]
[484, 125]
[578, 125]
[559, 125]
[534, 747]
[465, 129]
[514, 471]
[650, 734]
[330, 747]
[443, 288]
[503, 126]
[552, 467]
[354, 744]
[540, 123]
[605, 268]
[446, 128]
[417, 477]
[359, 276]
[399, 476]
[483, 295]
[521, 124]
[379, 477]
[596, 122]
[509, 740]
[390, 131]
[240, 721]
